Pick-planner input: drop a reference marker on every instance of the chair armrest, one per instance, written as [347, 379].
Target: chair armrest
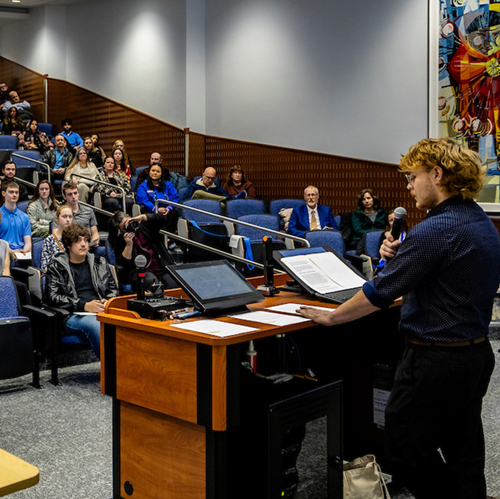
[229, 227]
[20, 274]
[97, 199]
[237, 245]
[183, 228]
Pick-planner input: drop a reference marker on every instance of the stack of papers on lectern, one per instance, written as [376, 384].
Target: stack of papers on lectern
[322, 272]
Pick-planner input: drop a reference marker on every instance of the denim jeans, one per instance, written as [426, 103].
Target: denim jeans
[86, 327]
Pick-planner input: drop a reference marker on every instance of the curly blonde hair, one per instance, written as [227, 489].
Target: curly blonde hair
[463, 170]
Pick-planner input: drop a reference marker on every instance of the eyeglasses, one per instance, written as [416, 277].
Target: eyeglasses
[410, 178]
[209, 178]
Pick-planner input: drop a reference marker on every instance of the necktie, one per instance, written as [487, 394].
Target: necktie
[314, 223]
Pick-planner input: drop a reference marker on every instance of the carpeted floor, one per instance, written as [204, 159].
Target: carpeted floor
[66, 432]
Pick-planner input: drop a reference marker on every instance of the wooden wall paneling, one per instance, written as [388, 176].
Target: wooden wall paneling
[27, 83]
[196, 154]
[284, 173]
[141, 134]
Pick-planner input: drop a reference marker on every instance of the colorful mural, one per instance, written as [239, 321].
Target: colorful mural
[469, 76]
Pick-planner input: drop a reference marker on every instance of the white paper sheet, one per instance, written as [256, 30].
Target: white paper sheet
[337, 270]
[290, 308]
[271, 318]
[310, 274]
[215, 328]
[323, 272]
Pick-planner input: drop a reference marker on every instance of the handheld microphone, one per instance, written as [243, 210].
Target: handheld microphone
[397, 225]
[140, 263]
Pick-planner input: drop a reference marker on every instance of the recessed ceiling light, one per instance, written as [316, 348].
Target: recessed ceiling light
[16, 1]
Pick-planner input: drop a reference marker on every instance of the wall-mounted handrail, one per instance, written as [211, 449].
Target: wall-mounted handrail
[34, 161]
[233, 220]
[124, 206]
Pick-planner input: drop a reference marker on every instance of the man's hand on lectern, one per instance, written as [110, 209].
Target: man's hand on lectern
[323, 317]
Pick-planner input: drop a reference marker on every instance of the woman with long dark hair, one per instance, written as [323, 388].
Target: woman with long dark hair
[121, 158]
[13, 123]
[34, 139]
[369, 216]
[155, 188]
[42, 208]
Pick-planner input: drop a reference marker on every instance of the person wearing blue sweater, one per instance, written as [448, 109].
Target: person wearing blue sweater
[310, 216]
[155, 188]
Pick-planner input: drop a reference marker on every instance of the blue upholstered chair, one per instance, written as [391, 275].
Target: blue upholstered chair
[239, 207]
[23, 206]
[17, 356]
[278, 204]
[25, 162]
[372, 244]
[48, 128]
[264, 221]
[255, 236]
[330, 238]
[209, 230]
[8, 142]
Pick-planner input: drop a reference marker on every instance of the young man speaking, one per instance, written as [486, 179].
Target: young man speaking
[447, 270]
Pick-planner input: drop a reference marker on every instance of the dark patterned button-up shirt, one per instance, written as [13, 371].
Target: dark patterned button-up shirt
[447, 270]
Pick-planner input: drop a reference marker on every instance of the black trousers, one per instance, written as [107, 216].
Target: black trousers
[114, 204]
[434, 433]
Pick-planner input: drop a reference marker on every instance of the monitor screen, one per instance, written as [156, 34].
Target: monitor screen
[214, 285]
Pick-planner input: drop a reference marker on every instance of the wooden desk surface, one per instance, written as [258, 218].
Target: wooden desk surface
[15, 474]
[117, 315]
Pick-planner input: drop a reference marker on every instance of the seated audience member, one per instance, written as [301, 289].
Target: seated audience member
[154, 159]
[80, 282]
[13, 123]
[73, 139]
[93, 154]
[42, 209]
[22, 106]
[34, 139]
[155, 188]
[237, 186]
[58, 158]
[310, 216]
[22, 289]
[369, 216]
[146, 240]
[53, 244]
[119, 144]
[120, 162]
[176, 179]
[4, 93]
[388, 228]
[112, 199]
[206, 188]
[15, 226]
[9, 170]
[97, 147]
[83, 215]
[82, 166]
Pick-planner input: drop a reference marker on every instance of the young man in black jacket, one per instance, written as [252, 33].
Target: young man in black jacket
[80, 282]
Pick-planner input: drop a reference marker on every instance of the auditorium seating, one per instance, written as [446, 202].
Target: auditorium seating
[330, 238]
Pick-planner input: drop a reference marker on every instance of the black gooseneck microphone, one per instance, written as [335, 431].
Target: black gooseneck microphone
[140, 263]
[397, 225]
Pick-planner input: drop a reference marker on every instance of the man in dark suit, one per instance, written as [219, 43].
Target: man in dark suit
[311, 216]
